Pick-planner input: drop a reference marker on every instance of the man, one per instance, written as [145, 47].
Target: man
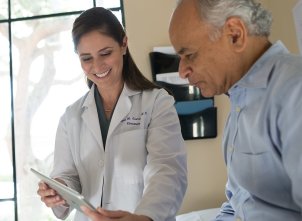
[224, 49]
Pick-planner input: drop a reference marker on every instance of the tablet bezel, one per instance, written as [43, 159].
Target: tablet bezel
[72, 197]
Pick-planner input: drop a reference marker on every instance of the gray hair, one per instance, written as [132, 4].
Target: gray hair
[215, 12]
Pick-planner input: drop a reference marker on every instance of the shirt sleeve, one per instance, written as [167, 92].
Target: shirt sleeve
[226, 211]
[165, 175]
[64, 167]
[290, 127]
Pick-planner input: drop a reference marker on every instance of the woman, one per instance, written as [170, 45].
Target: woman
[120, 145]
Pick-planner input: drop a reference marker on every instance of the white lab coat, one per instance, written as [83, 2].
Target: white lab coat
[142, 169]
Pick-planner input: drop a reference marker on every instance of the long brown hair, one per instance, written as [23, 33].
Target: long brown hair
[105, 21]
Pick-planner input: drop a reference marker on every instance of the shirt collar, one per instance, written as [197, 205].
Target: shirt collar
[258, 74]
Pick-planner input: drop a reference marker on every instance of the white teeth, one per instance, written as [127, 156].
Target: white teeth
[100, 75]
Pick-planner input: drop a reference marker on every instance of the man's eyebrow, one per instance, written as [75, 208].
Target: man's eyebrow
[182, 51]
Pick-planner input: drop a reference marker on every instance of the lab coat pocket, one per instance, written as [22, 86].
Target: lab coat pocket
[129, 154]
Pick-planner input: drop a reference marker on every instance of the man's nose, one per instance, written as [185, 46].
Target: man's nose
[184, 69]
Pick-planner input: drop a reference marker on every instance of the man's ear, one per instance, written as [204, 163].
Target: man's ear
[236, 32]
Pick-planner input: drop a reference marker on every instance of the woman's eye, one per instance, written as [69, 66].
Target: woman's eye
[106, 53]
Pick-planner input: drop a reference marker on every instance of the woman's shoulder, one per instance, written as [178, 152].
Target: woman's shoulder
[157, 97]
[77, 106]
[155, 92]
[147, 92]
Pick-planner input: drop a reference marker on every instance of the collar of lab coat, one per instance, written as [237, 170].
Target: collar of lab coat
[126, 93]
[122, 108]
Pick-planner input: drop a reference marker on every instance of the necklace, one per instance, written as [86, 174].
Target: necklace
[108, 110]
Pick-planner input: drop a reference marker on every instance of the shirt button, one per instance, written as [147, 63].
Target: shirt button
[238, 219]
[238, 109]
[231, 149]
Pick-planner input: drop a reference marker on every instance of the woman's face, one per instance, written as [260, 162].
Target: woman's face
[101, 58]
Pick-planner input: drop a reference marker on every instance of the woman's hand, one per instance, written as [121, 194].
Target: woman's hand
[49, 196]
[107, 215]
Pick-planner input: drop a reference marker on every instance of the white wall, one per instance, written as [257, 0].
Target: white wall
[283, 24]
[147, 24]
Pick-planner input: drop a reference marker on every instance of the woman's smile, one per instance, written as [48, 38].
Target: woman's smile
[103, 74]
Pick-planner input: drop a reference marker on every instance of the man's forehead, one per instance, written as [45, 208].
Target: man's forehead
[183, 37]
[185, 10]
[185, 18]
[186, 27]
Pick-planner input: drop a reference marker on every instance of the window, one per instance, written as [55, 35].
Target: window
[39, 76]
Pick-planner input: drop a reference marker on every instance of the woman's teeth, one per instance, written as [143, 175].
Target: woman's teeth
[101, 75]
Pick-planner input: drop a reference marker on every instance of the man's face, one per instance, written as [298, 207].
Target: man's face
[208, 64]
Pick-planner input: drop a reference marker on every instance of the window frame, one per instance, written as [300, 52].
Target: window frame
[9, 21]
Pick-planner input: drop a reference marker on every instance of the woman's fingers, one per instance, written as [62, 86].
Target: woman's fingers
[112, 214]
[51, 201]
[94, 215]
[49, 195]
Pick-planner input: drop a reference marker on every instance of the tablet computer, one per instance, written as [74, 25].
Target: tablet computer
[72, 197]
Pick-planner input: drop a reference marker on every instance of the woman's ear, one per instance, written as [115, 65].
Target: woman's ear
[125, 45]
[236, 33]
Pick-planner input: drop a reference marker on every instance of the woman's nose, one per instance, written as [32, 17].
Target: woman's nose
[96, 66]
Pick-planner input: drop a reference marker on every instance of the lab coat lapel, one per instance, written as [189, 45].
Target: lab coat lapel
[90, 117]
[122, 108]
